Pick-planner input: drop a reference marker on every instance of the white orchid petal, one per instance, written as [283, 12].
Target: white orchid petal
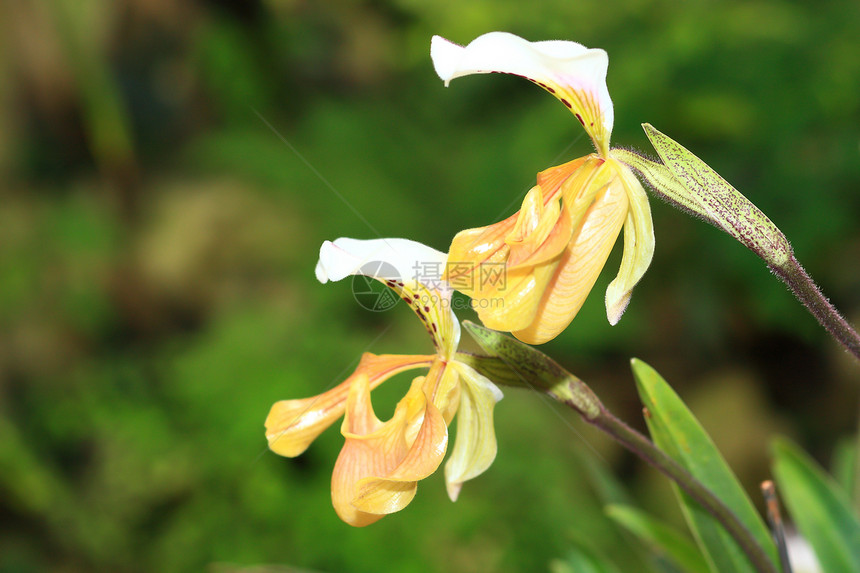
[413, 270]
[410, 259]
[576, 75]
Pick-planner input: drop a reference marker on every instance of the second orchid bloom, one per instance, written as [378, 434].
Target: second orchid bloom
[381, 463]
[554, 248]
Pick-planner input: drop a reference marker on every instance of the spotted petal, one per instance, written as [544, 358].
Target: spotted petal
[571, 72]
[413, 270]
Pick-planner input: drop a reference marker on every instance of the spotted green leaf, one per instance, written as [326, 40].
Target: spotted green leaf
[692, 184]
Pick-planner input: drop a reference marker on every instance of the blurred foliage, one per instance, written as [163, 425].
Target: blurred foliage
[170, 168]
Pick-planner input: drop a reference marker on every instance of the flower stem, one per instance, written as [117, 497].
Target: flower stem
[645, 449]
[807, 292]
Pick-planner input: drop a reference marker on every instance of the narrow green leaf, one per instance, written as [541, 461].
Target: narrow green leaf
[677, 432]
[609, 489]
[581, 559]
[819, 508]
[721, 203]
[844, 467]
[660, 537]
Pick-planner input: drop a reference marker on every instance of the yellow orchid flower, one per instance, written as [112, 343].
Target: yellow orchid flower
[554, 248]
[381, 463]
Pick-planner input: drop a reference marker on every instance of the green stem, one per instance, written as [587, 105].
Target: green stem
[512, 363]
[807, 292]
[645, 449]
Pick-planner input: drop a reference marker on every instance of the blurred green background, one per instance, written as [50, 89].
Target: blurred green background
[158, 239]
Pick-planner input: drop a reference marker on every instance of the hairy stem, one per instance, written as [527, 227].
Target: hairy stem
[807, 292]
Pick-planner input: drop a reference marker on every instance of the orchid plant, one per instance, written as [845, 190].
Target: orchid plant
[552, 251]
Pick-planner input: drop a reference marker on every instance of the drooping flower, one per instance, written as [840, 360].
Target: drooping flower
[553, 249]
[381, 463]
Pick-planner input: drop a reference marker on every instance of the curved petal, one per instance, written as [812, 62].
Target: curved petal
[515, 304]
[598, 226]
[475, 446]
[541, 232]
[505, 267]
[292, 425]
[404, 259]
[413, 270]
[638, 246]
[571, 72]
[378, 468]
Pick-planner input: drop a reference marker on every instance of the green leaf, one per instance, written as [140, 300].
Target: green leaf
[819, 508]
[581, 559]
[609, 490]
[676, 431]
[703, 191]
[660, 537]
[661, 180]
[844, 466]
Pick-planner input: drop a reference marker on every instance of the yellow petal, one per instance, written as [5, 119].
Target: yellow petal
[378, 468]
[292, 425]
[476, 254]
[475, 446]
[638, 246]
[442, 388]
[514, 304]
[550, 180]
[541, 232]
[473, 249]
[581, 263]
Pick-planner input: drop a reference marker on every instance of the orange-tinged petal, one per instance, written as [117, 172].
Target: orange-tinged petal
[541, 232]
[394, 491]
[580, 264]
[514, 305]
[293, 424]
[488, 246]
[442, 388]
[550, 180]
[473, 248]
[378, 467]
